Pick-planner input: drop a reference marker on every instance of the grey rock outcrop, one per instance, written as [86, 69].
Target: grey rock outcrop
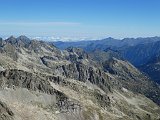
[5, 112]
[21, 79]
[85, 73]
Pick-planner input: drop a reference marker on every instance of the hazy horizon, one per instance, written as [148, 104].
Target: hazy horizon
[69, 39]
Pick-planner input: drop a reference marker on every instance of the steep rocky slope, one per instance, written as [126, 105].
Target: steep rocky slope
[129, 76]
[152, 68]
[142, 53]
[39, 81]
[145, 57]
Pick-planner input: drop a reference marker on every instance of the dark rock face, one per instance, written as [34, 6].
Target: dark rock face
[19, 78]
[25, 80]
[1, 42]
[85, 73]
[103, 100]
[77, 51]
[5, 112]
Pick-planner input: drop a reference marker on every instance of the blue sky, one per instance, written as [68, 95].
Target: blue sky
[80, 18]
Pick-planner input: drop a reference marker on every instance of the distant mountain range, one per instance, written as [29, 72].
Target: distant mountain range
[141, 52]
[105, 43]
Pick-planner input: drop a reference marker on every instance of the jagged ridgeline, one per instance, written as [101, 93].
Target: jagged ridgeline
[39, 81]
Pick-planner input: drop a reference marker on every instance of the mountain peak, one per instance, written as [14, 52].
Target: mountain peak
[11, 39]
[22, 37]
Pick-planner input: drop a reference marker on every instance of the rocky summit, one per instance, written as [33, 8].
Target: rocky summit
[38, 81]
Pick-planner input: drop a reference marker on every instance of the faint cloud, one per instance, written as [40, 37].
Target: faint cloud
[42, 23]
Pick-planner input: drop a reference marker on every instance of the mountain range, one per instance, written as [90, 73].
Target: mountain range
[90, 45]
[141, 52]
[40, 81]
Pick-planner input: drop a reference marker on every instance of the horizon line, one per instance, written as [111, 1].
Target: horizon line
[72, 39]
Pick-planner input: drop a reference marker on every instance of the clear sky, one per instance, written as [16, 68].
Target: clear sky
[80, 18]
